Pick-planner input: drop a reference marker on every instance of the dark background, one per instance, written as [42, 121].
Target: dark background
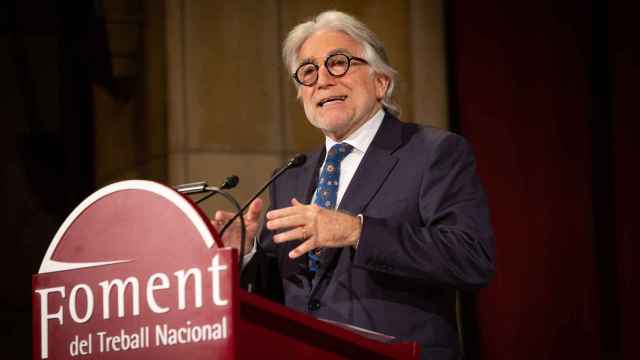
[543, 90]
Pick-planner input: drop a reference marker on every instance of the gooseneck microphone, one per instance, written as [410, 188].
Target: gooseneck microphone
[202, 187]
[230, 182]
[191, 188]
[295, 161]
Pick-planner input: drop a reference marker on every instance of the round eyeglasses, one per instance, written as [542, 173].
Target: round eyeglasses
[337, 65]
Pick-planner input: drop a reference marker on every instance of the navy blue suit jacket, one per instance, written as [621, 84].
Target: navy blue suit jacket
[426, 233]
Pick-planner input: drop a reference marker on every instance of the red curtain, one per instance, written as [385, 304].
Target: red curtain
[526, 78]
[624, 56]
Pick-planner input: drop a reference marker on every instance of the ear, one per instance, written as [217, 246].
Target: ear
[381, 83]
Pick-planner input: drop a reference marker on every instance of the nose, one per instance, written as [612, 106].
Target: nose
[324, 78]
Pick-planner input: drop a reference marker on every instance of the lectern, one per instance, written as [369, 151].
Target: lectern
[137, 272]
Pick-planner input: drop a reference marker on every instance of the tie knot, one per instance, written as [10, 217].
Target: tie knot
[338, 152]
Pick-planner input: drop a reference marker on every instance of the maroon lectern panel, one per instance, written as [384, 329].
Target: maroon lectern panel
[270, 331]
[134, 273]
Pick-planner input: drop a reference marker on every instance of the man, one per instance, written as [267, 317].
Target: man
[411, 225]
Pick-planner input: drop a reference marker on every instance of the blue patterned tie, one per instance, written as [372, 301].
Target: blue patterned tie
[327, 191]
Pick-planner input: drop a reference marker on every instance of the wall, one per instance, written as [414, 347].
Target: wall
[232, 105]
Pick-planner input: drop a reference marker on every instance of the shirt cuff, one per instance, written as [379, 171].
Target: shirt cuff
[248, 256]
[355, 246]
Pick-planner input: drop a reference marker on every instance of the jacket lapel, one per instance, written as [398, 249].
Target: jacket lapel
[374, 168]
[309, 178]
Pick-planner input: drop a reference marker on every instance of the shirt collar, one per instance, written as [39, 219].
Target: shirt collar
[363, 136]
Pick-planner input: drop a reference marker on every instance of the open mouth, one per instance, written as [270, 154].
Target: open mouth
[331, 99]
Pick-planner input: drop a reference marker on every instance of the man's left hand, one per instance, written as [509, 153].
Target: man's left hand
[317, 227]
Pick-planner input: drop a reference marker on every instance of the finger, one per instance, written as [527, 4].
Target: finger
[223, 215]
[302, 249]
[254, 209]
[288, 211]
[295, 202]
[286, 222]
[216, 224]
[293, 234]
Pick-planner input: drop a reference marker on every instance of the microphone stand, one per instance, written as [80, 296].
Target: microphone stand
[243, 228]
[293, 162]
[200, 187]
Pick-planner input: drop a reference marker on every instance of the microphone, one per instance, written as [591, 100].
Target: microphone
[191, 188]
[199, 187]
[202, 186]
[230, 182]
[295, 161]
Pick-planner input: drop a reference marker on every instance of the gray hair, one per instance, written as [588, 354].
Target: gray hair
[373, 49]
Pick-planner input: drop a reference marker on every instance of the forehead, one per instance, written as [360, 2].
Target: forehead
[323, 43]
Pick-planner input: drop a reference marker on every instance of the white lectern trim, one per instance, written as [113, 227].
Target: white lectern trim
[49, 265]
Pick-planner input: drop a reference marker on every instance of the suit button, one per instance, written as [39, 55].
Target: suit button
[314, 305]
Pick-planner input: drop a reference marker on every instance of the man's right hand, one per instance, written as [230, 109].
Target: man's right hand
[231, 236]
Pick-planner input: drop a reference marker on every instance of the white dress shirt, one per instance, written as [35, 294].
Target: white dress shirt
[360, 140]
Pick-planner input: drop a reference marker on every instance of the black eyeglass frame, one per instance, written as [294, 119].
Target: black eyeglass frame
[326, 61]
